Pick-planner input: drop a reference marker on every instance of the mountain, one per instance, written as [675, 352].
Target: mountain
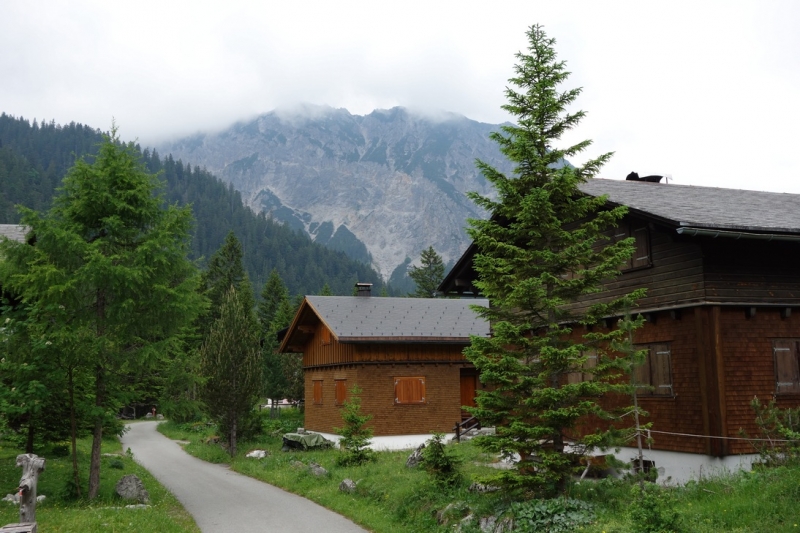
[35, 157]
[380, 187]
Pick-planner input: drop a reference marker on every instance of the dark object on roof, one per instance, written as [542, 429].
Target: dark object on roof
[634, 176]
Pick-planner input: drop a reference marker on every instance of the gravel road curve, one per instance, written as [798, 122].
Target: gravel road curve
[223, 501]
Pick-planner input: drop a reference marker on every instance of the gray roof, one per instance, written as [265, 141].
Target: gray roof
[704, 207]
[365, 318]
[13, 232]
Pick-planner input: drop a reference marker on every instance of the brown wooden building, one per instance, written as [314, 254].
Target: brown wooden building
[722, 272]
[404, 353]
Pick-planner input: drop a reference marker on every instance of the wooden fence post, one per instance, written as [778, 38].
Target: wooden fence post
[32, 466]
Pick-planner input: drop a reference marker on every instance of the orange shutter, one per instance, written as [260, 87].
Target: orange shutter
[317, 392]
[341, 391]
[409, 390]
[787, 373]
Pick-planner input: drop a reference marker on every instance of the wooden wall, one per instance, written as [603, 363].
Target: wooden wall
[442, 408]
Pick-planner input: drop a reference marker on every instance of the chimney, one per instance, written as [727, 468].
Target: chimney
[363, 289]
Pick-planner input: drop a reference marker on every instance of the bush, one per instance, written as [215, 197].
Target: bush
[441, 463]
[551, 516]
[652, 510]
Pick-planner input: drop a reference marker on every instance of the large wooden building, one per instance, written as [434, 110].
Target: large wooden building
[722, 273]
[404, 353]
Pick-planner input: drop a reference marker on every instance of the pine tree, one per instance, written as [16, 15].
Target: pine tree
[225, 270]
[541, 250]
[428, 275]
[231, 361]
[108, 278]
[275, 312]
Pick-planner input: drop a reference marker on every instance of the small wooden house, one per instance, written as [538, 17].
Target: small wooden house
[722, 272]
[404, 353]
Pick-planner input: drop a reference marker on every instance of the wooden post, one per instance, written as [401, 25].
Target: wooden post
[32, 466]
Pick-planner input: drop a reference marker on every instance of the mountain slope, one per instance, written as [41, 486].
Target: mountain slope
[381, 187]
[34, 158]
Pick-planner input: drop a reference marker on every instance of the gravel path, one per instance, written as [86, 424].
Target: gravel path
[223, 501]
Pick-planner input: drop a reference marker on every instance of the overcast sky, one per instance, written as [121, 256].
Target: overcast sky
[706, 91]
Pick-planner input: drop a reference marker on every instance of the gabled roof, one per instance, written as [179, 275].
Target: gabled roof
[353, 319]
[13, 232]
[703, 207]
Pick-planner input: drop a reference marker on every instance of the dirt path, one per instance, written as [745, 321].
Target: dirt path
[223, 501]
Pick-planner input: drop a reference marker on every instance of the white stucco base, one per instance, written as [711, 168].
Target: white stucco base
[393, 442]
[677, 468]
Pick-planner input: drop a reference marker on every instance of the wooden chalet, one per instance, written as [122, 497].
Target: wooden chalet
[404, 353]
[722, 273]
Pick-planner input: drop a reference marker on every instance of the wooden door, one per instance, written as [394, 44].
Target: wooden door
[469, 380]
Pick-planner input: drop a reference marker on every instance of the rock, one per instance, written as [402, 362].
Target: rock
[480, 487]
[159, 417]
[453, 510]
[348, 486]
[257, 454]
[130, 487]
[297, 464]
[317, 470]
[487, 524]
[12, 498]
[416, 456]
[40, 498]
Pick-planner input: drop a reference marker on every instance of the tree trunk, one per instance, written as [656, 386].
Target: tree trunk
[73, 432]
[97, 435]
[233, 436]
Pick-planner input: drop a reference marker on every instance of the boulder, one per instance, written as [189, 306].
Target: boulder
[257, 454]
[480, 488]
[416, 456]
[317, 470]
[130, 487]
[348, 486]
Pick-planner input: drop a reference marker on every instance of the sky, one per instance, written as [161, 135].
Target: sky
[707, 92]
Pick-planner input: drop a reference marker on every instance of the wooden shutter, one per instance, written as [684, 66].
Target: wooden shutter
[622, 232]
[589, 364]
[409, 390]
[341, 390]
[787, 370]
[326, 335]
[641, 375]
[660, 371]
[641, 253]
[317, 391]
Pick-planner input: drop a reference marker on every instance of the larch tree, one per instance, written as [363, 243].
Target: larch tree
[231, 361]
[428, 275]
[108, 278]
[542, 249]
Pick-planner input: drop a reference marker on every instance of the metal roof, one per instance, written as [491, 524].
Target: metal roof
[13, 232]
[369, 318]
[704, 207]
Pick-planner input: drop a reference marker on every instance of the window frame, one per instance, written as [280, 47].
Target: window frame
[642, 252]
[792, 360]
[580, 375]
[652, 387]
[410, 384]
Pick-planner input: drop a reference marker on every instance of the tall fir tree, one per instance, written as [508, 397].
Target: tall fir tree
[225, 270]
[108, 279]
[275, 312]
[231, 361]
[428, 275]
[541, 250]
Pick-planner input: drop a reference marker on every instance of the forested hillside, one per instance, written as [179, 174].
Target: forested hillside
[35, 157]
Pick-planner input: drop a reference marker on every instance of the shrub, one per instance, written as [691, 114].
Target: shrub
[551, 516]
[652, 510]
[780, 431]
[441, 463]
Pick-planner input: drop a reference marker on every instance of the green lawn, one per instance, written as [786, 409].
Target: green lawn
[58, 513]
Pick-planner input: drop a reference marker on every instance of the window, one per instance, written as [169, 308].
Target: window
[641, 238]
[326, 335]
[787, 369]
[409, 390]
[317, 391]
[341, 390]
[654, 376]
[585, 374]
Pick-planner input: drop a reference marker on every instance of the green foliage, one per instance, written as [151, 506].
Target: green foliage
[429, 275]
[652, 509]
[441, 463]
[108, 289]
[355, 435]
[543, 248]
[559, 515]
[779, 433]
[231, 361]
[224, 271]
[282, 377]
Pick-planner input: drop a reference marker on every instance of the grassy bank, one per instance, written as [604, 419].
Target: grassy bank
[393, 498]
[61, 513]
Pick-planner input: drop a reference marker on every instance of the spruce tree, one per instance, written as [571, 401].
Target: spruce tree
[225, 270]
[541, 250]
[428, 275]
[231, 362]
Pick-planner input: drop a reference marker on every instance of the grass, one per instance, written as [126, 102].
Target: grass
[393, 498]
[59, 513]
